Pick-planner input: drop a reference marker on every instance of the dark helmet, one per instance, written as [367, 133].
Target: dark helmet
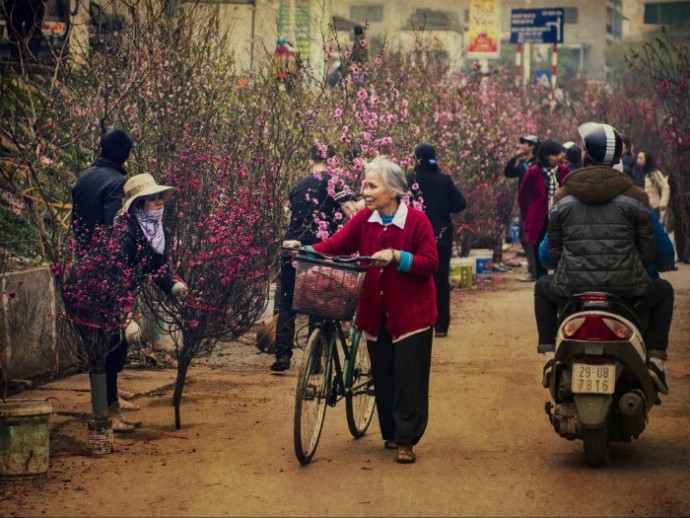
[602, 143]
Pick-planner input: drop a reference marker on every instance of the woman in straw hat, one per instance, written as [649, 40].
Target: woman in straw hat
[143, 245]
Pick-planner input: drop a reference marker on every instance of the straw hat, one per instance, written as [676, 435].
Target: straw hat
[141, 186]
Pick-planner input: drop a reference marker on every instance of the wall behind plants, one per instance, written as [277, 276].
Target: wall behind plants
[29, 344]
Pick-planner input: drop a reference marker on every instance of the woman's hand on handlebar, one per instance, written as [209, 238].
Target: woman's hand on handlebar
[385, 256]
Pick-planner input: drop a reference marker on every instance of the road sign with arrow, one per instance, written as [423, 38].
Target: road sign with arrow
[537, 25]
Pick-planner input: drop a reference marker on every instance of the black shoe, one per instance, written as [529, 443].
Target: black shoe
[659, 377]
[281, 364]
[548, 368]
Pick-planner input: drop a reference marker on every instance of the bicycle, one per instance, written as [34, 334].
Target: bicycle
[328, 287]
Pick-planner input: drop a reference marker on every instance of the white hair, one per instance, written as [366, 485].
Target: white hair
[391, 174]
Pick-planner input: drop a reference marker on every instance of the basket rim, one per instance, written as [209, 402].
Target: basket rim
[332, 264]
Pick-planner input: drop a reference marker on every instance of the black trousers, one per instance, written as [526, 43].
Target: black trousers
[114, 363]
[285, 324]
[401, 384]
[442, 282]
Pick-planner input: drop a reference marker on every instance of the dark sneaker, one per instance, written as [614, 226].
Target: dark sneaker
[659, 377]
[546, 379]
[280, 365]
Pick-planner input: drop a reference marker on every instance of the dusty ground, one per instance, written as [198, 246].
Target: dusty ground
[488, 451]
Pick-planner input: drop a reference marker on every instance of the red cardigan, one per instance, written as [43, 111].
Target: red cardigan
[408, 298]
[534, 206]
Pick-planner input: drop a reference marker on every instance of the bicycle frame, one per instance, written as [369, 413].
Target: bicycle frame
[330, 372]
[339, 380]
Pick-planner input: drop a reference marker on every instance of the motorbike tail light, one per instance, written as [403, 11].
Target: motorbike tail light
[572, 325]
[619, 329]
[594, 297]
[596, 328]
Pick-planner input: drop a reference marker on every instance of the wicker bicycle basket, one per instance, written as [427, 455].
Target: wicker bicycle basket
[327, 289]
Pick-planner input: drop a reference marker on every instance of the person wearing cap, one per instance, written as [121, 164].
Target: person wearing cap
[599, 214]
[142, 242]
[441, 199]
[97, 194]
[573, 156]
[521, 160]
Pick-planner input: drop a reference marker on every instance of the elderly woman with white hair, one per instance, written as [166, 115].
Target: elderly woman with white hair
[397, 307]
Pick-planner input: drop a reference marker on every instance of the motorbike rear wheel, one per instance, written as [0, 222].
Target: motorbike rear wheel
[596, 443]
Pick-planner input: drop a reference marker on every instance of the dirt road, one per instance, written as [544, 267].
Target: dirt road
[488, 451]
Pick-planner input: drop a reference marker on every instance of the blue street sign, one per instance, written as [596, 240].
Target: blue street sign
[536, 25]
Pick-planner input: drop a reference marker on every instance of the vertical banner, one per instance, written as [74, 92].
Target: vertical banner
[485, 19]
[303, 28]
[294, 21]
[285, 18]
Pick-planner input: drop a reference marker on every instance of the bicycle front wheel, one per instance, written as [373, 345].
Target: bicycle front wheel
[360, 401]
[313, 388]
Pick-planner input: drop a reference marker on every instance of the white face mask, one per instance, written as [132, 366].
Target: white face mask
[150, 223]
[155, 215]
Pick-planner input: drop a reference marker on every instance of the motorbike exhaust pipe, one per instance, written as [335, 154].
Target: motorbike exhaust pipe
[631, 403]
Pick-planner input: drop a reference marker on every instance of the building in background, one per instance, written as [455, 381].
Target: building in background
[254, 25]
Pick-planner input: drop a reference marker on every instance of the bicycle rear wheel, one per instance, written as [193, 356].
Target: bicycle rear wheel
[360, 402]
[313, 387]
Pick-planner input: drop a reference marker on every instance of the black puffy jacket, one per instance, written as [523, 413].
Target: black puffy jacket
[97, 197]
[601, 235]
[441, 199]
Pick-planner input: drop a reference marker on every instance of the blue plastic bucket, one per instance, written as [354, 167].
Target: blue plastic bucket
[484, 267]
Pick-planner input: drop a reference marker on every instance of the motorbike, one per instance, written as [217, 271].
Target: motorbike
[600, 386]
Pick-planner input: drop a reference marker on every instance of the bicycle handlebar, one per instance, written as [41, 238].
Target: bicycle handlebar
[335, 258]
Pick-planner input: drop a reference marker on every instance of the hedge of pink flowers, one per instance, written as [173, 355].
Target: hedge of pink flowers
[233, 144]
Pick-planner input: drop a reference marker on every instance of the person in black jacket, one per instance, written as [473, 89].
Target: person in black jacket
[97, 195]
[441, 199]
[311, 208]
[601, 237]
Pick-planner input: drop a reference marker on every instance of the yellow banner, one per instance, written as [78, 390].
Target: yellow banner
[485, 19]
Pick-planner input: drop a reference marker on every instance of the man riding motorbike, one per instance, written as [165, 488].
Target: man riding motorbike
[601, 238]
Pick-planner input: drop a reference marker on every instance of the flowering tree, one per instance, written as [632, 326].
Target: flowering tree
[97, 288]
[222, 226]
[668, 66]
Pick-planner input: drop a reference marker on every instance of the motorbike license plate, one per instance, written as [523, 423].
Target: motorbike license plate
[593, 379]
